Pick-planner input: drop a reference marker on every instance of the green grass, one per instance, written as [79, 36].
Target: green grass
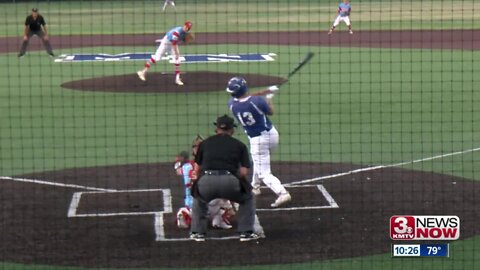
[366, 106]
[121, 17]
[463, 255]
[355, 105]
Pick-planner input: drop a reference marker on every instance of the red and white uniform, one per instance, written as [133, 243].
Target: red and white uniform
[219, 210]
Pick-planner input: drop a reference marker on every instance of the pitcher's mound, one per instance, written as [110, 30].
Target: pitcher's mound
[201, 81]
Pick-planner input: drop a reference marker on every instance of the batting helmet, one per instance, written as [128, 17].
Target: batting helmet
[237, 87]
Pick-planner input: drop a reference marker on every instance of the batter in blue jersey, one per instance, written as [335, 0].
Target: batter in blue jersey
[252, 111]
[343, 14]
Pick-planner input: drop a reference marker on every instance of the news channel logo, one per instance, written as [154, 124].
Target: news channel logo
[424, 227]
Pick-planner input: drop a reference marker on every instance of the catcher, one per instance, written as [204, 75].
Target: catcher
[219, 210]
[169, 43]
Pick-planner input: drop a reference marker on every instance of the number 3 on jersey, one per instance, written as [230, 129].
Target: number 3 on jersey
[246, 118]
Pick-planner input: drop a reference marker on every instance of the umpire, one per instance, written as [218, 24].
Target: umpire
[223, 162]
[35, 25]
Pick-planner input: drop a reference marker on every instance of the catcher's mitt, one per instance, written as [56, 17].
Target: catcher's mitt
[189, 38]
[196, 142]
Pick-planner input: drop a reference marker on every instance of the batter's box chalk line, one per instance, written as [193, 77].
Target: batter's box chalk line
[323, 191]
[166, 195]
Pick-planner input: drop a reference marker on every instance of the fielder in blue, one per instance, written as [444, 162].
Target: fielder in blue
[343, 14]
[252, 111]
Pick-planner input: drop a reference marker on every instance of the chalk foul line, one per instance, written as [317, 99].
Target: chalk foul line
[372, 168]
[49, 183]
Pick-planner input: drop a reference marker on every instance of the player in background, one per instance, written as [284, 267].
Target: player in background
[251, 111]
[169, 43]
[35, 25]
[219, 210]
[343, 14]
[169, 2]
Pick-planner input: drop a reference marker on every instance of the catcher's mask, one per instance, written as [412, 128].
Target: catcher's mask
[184, 155]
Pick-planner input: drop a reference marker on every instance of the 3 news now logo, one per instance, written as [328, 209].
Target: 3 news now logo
[424, 227]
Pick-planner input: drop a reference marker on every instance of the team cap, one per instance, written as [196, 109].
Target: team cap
[225, 122]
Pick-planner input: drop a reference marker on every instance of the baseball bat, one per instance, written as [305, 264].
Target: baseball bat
[302, 63]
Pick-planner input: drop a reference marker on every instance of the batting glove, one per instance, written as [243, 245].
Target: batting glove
[273, 88]
[270, 96]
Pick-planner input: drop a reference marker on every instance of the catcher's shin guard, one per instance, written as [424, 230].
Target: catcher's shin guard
[221, 221]
[184, 218]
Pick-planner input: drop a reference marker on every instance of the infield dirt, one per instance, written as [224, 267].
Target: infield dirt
[36, 229]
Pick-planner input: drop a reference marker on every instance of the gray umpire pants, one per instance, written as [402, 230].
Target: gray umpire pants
[227, 187]
[40, 34]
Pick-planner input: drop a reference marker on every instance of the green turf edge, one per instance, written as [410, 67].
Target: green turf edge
[464, 255]
[337, 124]
[102, 17]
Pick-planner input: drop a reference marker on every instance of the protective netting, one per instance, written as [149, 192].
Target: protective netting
[361, 120]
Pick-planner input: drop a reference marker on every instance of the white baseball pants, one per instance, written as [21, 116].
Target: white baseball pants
[165, 46]
[339, 18]
[260, 148]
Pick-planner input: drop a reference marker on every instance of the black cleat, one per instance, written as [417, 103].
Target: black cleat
[248, 236]
[199, 237]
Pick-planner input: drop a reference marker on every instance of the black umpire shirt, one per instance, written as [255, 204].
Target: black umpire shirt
[35, 25]
[222, 152]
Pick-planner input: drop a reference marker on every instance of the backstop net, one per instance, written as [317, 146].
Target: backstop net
[360, 121]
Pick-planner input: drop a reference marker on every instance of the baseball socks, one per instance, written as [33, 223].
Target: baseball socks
[178, 80]
[142, 73]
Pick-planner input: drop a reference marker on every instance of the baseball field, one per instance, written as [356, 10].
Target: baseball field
[384, 122]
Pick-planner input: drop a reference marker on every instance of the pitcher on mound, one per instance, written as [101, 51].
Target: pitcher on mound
[169, 43]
